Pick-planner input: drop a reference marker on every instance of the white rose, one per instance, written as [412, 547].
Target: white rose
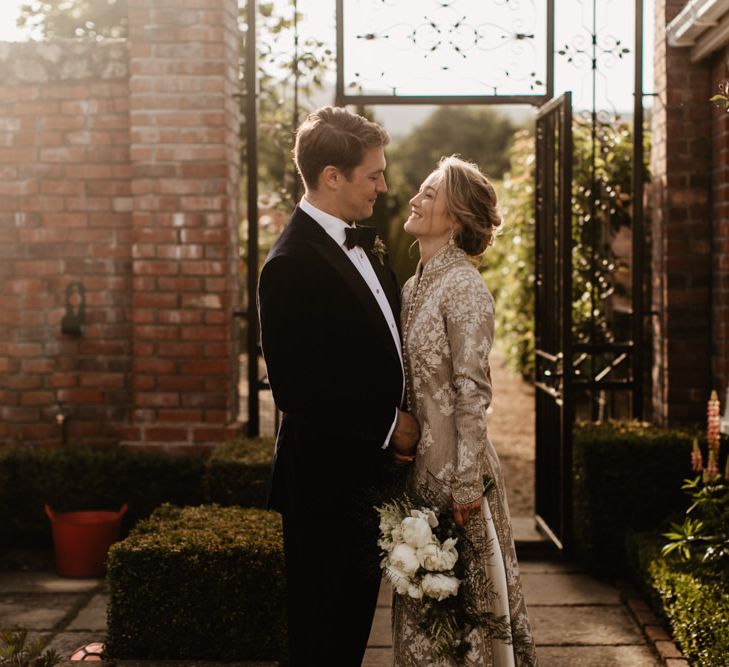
[440, 586]
[438, 559]
[404, 558]
[399, 580]
[415, 591]
[428, 515]
[450, 553]
[416, 531]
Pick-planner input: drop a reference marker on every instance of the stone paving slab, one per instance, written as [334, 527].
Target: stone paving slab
[584, 625]
[92, 616]
[44, 582]
[596, 656]
[556, 589]
[65, 643]
[35, 611]
[548, 567]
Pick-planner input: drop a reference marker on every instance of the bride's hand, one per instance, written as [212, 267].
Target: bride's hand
[463, 512]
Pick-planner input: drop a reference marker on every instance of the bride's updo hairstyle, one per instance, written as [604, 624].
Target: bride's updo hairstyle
[471, 202]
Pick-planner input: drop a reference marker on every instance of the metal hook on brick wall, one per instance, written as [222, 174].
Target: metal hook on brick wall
[75, 309]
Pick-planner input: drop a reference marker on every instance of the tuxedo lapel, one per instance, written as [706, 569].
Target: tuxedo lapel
[323, 244]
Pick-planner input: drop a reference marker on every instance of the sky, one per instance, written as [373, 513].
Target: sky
[421, 71]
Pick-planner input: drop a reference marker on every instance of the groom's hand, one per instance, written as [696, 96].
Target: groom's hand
[404, 438]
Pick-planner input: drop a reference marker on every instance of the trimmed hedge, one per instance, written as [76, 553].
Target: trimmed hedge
[200, 583]
[103, 478]
[695, 604]
[626, 475]
[88, 478]
[239, 473]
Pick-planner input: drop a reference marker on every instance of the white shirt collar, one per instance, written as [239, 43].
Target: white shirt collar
[331, 224]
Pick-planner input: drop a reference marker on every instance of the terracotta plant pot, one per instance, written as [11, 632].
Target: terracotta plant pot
[81, 540]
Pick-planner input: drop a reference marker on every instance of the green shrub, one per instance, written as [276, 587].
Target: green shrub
[694, 602]
[88, 478]
[238, 473]
[200, 583]
[626, 475]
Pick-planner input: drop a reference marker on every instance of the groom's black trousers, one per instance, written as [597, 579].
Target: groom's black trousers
[333, 580]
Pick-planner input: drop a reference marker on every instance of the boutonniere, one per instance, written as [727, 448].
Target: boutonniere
[379, 249]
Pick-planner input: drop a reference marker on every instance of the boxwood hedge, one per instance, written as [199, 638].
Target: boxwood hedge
[88, 478]
[626, 475]
[200, 583]
[238, 472]
[695, 603]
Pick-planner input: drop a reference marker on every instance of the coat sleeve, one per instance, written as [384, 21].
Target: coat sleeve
[282, 305]
[469, 315]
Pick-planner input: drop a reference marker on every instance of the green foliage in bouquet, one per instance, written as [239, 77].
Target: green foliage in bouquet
[16, 651]
[199, 583]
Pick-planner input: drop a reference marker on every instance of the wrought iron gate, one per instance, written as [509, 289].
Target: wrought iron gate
[553, 321]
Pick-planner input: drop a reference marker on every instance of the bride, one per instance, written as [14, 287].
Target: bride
[448, 329]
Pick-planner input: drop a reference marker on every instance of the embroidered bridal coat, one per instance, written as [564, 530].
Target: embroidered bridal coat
[448, 330]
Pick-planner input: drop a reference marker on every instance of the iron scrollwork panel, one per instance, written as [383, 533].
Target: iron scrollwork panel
[445, 49]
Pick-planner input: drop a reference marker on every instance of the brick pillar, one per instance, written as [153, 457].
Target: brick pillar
[185, 172]
[720, 282]
[681, 253]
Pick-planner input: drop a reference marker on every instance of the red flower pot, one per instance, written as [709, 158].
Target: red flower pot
[81, 540]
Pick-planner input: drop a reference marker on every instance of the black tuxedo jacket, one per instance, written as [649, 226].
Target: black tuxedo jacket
[333, 367]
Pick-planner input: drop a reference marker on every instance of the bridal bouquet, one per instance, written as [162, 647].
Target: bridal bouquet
[415, 559]
[434, 563]
[420, 556]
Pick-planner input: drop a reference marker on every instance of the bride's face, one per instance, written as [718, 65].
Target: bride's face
[429, 217]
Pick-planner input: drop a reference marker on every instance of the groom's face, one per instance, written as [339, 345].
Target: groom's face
[357, 194]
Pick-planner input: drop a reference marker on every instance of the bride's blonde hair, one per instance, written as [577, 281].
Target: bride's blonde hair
[471, 202]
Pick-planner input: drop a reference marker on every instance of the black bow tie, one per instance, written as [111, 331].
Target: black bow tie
[361, 235]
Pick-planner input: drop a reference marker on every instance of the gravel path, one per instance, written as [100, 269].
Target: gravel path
[511, 430]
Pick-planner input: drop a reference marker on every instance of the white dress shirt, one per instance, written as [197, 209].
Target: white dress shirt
[335, 228]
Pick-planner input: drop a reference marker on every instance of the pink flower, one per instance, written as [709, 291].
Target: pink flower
[711, 471]
[697, 462]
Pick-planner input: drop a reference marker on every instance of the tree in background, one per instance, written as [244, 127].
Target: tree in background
[75, 18]
[475, 133]
[600, 280]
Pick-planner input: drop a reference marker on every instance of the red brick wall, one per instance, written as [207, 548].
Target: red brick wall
[681, 229]
[65, 202]
[720, 217]
[119, 169]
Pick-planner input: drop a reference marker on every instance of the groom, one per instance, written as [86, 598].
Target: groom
[329, 310]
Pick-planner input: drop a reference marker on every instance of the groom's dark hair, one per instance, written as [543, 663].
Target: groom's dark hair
[333, 136]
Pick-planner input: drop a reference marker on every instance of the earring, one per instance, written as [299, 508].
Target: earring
[452, 238]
